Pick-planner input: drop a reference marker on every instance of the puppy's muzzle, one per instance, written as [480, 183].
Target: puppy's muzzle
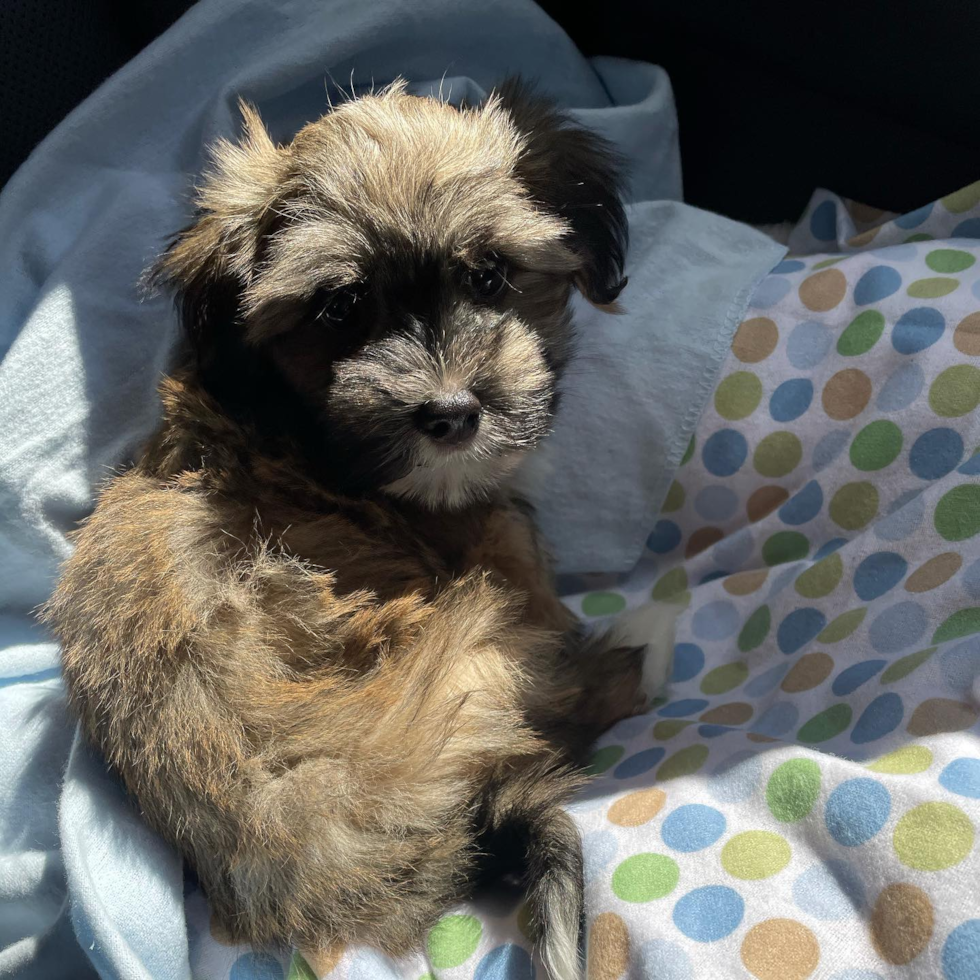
[450, 420]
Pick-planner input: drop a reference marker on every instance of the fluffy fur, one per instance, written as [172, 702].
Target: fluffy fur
[320, 646]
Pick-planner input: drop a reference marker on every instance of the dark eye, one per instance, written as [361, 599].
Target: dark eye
[336, 305]
[487, 281]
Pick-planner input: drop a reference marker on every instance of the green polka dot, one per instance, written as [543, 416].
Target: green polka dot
[603, 758]
[683, 763]
[778, 454]
[689, 452]
[933, 836]
[674, 499]
[603, 604]
[906, 761]
[861, 334]
[966, 622]
[843, 626]
[854, 505]
[755, 854]
[905, 665]
[919, 236]
[963, 199]
[755, 630]
[785, 546]
[820, 579]
[826, 725]
[299, 969]
[738, 396]
[932, 288]
[793, 789]
[670, 585]
[826, 263]
[957, 515]
[876, 445]
[949, 260]
[724, 678]
[955, 391]
[645, 877]
[669, 727]
[453, 940]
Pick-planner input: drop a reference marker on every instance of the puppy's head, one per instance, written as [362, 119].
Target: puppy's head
[399, 277]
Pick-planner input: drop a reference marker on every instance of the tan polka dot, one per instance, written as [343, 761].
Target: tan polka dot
[324, 961]
[764, 501]
[733, 713]
[934, 572]
[846, 394]
[864, 214]
[637, 808]
[780, 949]
[755, 340]
[901, 923]
[220, 933]
[756, 737]
[865, 238]
[809, 671]
[966, 336]
[703, 537]
[939, 715]
[745, 583]
[823, 290]
[609, 947]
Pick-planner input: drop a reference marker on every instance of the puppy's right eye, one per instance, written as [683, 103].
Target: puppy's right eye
[335, 305]
[487, 281]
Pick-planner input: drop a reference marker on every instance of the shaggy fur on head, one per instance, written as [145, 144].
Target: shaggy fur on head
[311, 631]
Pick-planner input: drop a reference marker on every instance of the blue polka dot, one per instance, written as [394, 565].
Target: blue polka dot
[714, 731]
[709, 913]
[636, 764]
[850, 679]
[736, 778]
[724, 452]
[972, 466]
[799, 628]
[936, 453]
[256, 966]
[831, 891]
[769, 292]
[598, 849]
[788, 265]
[717, 620]
[692, 827]
[913, 218]
[802, 506]
[970, 580]
[823, 222]
[967, 229]
[834, 544]
[904, 516]
[962, 776]
[787, 576]
[735, 550]
[829, 448]
[961, 951]
[713, 576]
[902, 388]
[918, 329]
[666, 536]
[661, 959]
[960, 665]
[688, 662]
[878, 573]
[686, 706]
[791, 399]
[878, 719]
[857, 810]
[898, 627]
[716, 503]
[877, 283]
[767, 681]
[507, 962]
[896, 253]
[808, 344]
[777, 719]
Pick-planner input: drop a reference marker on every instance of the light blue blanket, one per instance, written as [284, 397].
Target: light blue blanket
[83, 884]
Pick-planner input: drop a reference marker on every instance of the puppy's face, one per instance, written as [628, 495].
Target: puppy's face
[402, 270]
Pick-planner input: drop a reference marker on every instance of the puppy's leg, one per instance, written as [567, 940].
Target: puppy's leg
[649, 628]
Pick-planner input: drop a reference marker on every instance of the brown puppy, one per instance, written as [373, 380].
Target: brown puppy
[309, 627]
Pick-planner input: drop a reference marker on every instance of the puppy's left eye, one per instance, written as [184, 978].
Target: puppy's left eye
[487, 282]
[335, 305]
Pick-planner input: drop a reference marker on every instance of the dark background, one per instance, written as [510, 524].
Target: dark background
[878, 100]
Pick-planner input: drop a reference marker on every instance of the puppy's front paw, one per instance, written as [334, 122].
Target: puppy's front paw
[650, 626]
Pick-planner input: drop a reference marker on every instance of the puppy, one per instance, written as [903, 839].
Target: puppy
[309, 627]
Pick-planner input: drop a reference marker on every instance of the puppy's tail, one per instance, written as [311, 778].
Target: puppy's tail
[527, 834]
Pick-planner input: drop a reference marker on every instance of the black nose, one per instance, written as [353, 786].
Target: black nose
[451, 420]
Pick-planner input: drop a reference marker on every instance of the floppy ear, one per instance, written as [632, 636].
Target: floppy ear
[575, 174]
[210, 262]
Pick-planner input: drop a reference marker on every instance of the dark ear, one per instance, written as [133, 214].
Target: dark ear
[575, 174]
[212, 260]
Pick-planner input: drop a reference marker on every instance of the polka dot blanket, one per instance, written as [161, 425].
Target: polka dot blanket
[803, 800]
